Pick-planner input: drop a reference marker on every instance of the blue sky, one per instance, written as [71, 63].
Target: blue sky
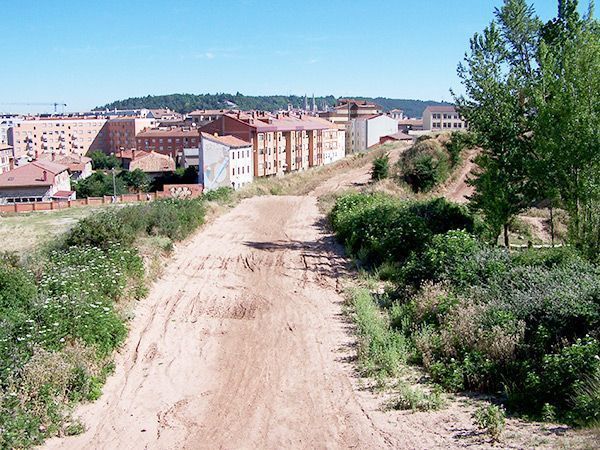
[87, 53]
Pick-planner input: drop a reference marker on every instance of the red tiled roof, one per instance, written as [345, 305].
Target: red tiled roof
[153, 162]
[267, 122]
[230, 141]
[209, 112]
[157, 133]
[441, 108]
[32, 174]
[410, 122]
[399, 136]
[128, 154]
[63, 194]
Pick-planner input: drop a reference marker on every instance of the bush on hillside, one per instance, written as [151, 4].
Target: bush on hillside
[378, 228]
[424, 165]
[380, 168]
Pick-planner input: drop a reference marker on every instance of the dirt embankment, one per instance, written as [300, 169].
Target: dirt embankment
[242, 344]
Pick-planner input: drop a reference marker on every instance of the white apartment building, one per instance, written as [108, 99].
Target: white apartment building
[365, 133]
[442, 118]
[224, 161]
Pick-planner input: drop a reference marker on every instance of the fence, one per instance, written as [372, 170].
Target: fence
[169, 191]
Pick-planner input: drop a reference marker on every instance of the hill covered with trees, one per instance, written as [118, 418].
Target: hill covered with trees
[184, 103]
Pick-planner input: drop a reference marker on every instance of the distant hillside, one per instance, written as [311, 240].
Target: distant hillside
[185, 103]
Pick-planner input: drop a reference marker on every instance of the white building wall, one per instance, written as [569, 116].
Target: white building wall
[337, 149]
[222, 166]
[379, 126]
[241, 166]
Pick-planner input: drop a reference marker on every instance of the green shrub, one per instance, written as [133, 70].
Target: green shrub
[491, 419]
[378, 228]
[380, 349]
[459, 141]
[221, 195]
[455, 257]
[173, 218]
[381, 167]
[425, 165]
[585, 401]
[417, 400]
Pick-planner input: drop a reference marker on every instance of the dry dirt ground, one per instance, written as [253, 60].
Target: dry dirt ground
[242, 343]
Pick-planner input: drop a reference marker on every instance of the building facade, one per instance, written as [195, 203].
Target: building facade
[31, 138]
[282, 142]
[121, 132]
[170, 141]
[367, 132]
[397, 114]
[442, 118]
[224, 161]
[349, 109]
[6, 158]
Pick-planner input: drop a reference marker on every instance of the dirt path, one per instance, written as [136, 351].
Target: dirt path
[242, 344]
[458, 190]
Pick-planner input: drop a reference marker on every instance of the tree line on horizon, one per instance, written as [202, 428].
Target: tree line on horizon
[185, 103]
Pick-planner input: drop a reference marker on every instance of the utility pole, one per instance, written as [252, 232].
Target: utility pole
[114, 186]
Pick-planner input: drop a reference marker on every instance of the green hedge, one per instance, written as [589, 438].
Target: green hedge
[60, 319]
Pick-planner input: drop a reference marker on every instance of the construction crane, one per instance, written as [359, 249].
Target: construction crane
[54, 104]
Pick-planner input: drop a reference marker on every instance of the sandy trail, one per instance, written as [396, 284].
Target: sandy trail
[240, 344]
[458, 190]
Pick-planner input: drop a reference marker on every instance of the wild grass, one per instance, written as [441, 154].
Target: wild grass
[415, 398]
[381, 351]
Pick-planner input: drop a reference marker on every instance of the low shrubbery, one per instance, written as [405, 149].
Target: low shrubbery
[60, 317]
[379, 228]
[381, 167]
[476, 317]
[430, 160]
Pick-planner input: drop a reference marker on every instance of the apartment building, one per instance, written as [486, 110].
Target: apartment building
[224, 161]
[348, 109]
[367, 132]
[32, 137]
[397, 114]
[122, 131]
[6, 123]
[6, 158]
[442, 118]
[171, 141]
[334, 144]
[282, 142]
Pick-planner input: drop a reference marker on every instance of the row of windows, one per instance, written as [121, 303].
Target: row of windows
[445, 116]
[242, 154]
[169, 140]
[240, 170]
[447, 125]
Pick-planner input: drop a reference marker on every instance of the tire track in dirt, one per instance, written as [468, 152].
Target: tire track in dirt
[242, 344]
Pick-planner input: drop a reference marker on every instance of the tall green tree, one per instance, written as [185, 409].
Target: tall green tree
[498, 75]
[136, 180]
[567, 132]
